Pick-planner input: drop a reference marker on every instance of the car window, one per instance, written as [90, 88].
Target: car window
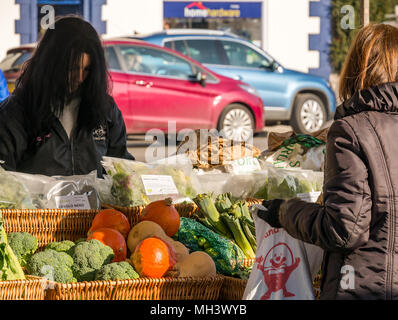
[202, 50]
[8, 61]
[180, 46]
[155, 62]
[111, 58]
[243, 56]
[22, 58]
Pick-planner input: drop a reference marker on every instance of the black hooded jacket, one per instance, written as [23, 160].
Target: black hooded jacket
[357, 225]
[53, 153]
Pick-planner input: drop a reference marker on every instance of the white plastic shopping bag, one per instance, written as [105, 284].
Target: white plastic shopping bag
[284, 267]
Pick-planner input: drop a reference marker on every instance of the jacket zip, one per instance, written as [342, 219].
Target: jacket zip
[391, 220]
[71, 149]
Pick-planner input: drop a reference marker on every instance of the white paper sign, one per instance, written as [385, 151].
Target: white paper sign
[72, 202]
[243, 165]
[158, 184]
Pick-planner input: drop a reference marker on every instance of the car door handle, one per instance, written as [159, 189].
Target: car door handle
[238, 77]
[144, 83]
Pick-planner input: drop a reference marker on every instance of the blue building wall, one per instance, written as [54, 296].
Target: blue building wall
[321, 42]
[27, 25]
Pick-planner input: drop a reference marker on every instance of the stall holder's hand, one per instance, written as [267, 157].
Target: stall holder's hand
[271, 212]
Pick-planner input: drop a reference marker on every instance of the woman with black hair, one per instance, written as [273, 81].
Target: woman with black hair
[61, 120]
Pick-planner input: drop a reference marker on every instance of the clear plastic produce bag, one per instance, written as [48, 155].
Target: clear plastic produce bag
[137, 183]
[13, 193]
[61, 192]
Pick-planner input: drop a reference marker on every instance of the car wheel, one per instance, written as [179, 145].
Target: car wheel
[309, 114]
[236, 123]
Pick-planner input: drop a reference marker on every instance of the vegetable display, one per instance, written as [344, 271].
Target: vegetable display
[230, 218]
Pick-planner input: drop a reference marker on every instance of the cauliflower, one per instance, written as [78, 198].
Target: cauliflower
[61, 246]
[116, 270]
[89, 257]
[52, 265]
[23, 244]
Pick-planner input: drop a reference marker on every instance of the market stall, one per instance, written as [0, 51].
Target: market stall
[177, 229]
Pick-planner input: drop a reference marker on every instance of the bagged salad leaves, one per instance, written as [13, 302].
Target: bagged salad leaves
[290, 150]
[60, 192]
[13, 193]
[128, 181]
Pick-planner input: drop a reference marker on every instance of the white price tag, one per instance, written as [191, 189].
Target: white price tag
[244, 165]
[158, 184]
[72, 202]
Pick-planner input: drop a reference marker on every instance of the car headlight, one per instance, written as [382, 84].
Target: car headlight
[249, 89]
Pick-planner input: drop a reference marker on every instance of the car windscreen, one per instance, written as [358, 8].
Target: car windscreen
[153, 61]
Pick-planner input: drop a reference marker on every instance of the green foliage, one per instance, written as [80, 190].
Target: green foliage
[342, 38]
[88, 258]
[116, 270]
[23, 244]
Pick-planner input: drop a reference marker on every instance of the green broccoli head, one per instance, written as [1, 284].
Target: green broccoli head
[116, 270]
[23, 244]
[52, 265]
[61, 246]
[88, 257]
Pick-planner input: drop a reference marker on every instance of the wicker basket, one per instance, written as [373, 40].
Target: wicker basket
[49, 225]
[31, 288]
[140, 289]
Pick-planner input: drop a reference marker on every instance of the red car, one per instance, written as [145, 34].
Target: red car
[153, 85]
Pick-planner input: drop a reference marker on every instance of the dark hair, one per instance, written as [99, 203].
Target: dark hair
[44, 85]
[372, 60]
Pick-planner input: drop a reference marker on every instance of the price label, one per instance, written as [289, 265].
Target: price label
[158, 184]
[244, 165]
[72, 202]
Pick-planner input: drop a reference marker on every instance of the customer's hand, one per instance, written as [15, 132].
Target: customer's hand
[271, 215]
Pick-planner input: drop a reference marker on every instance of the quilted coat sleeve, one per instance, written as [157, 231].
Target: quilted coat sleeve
[342, 222]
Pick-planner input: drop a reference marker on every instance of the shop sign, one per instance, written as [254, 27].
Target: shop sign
[200, 9]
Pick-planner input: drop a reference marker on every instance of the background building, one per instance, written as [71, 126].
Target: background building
[295, 32]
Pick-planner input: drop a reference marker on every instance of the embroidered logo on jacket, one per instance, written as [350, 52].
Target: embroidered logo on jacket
[99, 133]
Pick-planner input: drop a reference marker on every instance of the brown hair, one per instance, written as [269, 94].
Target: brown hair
[371, 60]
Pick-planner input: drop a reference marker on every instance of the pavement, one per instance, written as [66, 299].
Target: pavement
[142, 149]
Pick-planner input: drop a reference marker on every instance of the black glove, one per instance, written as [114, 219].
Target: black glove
[271, 215]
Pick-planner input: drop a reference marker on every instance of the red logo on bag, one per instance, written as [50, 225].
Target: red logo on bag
[276, 268]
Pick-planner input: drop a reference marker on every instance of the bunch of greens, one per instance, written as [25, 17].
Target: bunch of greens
[230, 218]
[10, 268]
